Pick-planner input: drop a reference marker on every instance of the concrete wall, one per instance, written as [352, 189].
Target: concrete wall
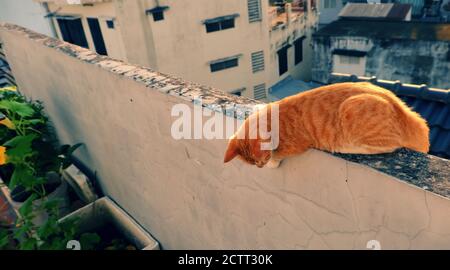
[416, 62]
[181, 191]
[26, 13]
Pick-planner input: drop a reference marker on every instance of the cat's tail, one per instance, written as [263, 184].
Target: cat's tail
[415, 128]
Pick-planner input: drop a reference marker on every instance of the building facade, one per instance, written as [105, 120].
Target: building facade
[242, 47]
[29, 14]
[419, 53]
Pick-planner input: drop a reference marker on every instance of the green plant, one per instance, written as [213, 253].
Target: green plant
[30, 148]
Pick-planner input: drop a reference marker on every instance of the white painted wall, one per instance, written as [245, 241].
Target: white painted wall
[26, 13]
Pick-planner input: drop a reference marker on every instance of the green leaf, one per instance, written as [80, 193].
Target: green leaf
[89, 241]
[22, 176]
[28, 244]
[19, 148]
[22, 109]
[4, 238]
[48, 228]
[26, 210]
[36, 121]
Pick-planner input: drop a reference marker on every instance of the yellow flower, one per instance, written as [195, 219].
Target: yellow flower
[8, 88]
[3, 155]
[6, 122]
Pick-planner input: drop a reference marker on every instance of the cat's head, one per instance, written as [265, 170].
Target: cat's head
[247, 150]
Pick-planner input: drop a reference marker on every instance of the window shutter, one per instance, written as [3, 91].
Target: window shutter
[257, 61]
[254, 10]
[259, 91]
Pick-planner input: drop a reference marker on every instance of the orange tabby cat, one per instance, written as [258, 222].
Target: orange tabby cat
[345, 117]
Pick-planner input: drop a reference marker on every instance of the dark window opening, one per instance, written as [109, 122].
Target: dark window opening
[282, 61]
[224, 65]
[237, 93]
[158, 16]
[298, 45]
[110, 24]
[221, 25]
[157, 12]
[72, 31]
[97, 36]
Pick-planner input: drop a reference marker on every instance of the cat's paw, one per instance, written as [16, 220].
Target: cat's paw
[273, 163]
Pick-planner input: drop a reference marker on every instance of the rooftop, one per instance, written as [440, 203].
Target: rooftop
[387, 30]
[388, 11]
[288, 87]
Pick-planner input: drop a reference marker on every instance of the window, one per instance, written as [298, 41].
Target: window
[72, 30]
[158, 16]
[97, 36]
[217, 26]
[157, 12]
[259, 91]
[110, 24]
[257, 61]
[329, 3]
[254, 10]
[351, 60]
[238, 92]
[282, 60]
[220, 23]
[224, 64]
[298, 45]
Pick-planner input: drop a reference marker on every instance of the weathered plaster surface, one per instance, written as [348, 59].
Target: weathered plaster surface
[187, 198]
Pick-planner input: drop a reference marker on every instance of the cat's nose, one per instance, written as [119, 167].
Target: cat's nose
[259, 165]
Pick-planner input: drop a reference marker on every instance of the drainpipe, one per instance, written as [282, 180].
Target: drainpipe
[50, 19]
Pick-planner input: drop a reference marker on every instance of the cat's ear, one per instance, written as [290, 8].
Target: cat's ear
[232, 150]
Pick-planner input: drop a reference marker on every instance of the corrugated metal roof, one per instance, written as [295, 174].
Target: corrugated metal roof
[358, 10]
[388, 11]
[432, 104]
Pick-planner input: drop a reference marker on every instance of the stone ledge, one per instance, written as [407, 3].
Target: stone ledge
[424, 171]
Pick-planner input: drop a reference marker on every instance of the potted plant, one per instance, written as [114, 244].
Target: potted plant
[108, 227]
[32, 163]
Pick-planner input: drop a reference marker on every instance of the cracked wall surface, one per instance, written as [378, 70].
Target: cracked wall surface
[181, 191]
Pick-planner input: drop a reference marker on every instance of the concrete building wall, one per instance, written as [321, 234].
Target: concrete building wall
[179, 44]
[303, 26]
[103, 11]
[26, 13]
[416, 62]
[184, 48]
[181, 191]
